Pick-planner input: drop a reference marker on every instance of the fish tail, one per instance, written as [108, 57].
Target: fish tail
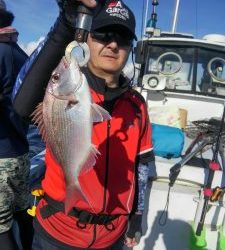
[73, 195]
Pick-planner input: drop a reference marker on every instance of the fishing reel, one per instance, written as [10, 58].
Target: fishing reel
[217, 194]
[83, 22]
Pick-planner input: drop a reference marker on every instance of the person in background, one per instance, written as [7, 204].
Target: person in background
[14, 160]
[116, 185]
[36, 144]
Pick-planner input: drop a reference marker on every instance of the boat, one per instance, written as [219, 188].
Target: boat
[183, 82]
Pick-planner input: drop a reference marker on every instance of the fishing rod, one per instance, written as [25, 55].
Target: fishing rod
[175, 170]
[213, 166]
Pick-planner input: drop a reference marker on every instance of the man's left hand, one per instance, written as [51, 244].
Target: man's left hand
[134, 231]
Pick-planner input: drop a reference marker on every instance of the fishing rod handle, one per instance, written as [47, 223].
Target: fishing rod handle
[83, 22]
[203, 215]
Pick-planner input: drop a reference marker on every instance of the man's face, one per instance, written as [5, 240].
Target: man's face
[108, 55]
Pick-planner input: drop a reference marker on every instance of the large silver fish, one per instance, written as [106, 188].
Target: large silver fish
[65, 120]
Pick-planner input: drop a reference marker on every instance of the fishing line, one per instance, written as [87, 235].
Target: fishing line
[164, 215]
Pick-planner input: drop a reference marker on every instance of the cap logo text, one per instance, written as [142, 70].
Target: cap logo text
[116, 9]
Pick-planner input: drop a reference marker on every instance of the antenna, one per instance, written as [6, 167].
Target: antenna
[175, 16]
[151, 24]
[146, 15]
[153, 20]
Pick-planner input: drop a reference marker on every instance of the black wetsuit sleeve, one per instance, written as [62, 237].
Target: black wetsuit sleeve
[32, 87]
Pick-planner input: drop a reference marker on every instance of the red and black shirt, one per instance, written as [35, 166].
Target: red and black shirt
[123, 141]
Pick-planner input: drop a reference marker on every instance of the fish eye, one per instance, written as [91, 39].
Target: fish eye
[55, 77]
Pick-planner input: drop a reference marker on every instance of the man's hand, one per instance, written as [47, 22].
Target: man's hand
[134, 231]
[89, 3]
[68, 8]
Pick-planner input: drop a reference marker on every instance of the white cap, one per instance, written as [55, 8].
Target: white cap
[2, 5]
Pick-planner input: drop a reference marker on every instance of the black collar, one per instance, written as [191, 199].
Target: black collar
[98, 84]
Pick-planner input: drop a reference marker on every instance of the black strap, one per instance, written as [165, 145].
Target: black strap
[84, 217]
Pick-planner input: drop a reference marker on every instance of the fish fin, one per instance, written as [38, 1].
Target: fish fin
[90, 160]
[98, 113]
[38, 120]
[73, 195]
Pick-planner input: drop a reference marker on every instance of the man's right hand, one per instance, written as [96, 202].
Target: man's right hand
[68, 9]
[88, 3]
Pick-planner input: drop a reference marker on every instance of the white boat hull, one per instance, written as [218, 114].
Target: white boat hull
[177, 232]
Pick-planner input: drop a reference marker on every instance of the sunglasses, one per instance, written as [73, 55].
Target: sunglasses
[107, 37]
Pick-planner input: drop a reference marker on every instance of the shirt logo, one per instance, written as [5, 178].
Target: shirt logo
[115, 8]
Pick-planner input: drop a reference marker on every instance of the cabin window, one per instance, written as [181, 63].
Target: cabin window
[184, 69]
[211, 72]
[172, 65]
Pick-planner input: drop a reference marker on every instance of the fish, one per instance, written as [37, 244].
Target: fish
[65, 120]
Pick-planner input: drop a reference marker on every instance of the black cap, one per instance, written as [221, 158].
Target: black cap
[115, 14]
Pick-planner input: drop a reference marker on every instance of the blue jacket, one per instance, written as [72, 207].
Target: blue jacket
[13, 129]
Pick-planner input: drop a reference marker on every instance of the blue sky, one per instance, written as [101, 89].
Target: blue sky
[199, 17]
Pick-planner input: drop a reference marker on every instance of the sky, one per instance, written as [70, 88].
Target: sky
[34, 18]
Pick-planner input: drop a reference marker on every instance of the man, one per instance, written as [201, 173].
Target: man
[14, 161]
[124, 142]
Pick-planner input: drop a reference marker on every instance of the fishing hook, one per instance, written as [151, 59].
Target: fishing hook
[83, 46]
